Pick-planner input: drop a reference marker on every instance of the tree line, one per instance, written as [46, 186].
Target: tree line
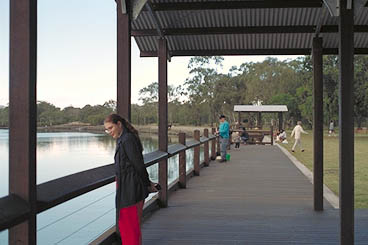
[207, 93]
[50, 115]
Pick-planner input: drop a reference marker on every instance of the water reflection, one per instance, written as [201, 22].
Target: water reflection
[47, 141]
[4, 162]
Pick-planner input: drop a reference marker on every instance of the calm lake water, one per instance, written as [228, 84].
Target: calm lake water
[84, 218]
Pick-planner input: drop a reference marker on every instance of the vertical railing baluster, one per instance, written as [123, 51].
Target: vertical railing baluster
[206, 149]
[230, 139]
[213, 145]
[182, 163]
[196, 153]
[218, 146]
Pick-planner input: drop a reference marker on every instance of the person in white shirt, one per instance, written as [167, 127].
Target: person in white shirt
[297, 132]
[282, 135]
[331, 129]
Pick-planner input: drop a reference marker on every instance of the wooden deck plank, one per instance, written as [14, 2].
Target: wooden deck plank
[259, 197]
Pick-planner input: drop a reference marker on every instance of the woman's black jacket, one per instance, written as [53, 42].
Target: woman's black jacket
[131, 174]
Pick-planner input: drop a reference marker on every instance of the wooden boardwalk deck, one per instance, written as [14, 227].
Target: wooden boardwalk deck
[259, 197]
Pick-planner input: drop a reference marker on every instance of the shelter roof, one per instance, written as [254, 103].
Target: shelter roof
[258, 27]
[260, 108]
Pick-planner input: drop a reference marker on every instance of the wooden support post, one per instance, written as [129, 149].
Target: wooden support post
[346, 122]
[23, 114]
[162, 113]
[239, 119]
[123, 51]
[213, 145]
[317, 124]
[196, 153]
[182, 163]
[280, 121]
[123, 61]
[271, 134]
[206, 149]
[259, 120]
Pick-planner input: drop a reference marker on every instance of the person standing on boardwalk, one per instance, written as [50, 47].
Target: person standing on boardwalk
[237, 140]
[224, 136]
[132, 181]
[331, 128]
[297, 132]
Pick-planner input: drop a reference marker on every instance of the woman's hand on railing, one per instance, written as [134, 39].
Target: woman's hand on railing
[154, 187]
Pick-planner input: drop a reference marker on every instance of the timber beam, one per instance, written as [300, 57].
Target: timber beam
[306, 51]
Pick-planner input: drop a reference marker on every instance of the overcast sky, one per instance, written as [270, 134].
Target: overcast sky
[77, 55]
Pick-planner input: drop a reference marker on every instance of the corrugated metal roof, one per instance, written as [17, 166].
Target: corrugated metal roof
[230, 18]
[243, 41]
[261, 108]
[236, 18]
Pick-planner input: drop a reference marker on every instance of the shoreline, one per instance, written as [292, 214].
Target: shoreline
[150, 129]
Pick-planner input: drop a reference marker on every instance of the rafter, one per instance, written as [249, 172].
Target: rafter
[232, 52]
[237, 5]
[152, 12]
[306, 51]
[243, 30]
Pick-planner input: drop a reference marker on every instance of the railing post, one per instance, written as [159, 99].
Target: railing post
[182, 163]
[213, 145]
[196, 153]
[230, 139]
[206, 149]
[218, 152]
[271, 134]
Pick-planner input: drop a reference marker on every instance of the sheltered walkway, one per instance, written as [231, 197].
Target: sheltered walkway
[259, 197]
[187, 28]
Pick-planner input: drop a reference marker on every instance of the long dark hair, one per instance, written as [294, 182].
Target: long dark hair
[115, 118]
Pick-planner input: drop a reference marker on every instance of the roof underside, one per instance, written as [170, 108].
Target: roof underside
[258, 27]
[260, 108]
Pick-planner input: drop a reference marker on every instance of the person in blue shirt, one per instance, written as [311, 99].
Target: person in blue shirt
[223, 132]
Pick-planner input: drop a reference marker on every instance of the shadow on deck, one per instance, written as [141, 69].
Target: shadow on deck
[259, 197]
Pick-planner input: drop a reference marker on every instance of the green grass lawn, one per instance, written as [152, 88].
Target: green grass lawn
[331, 162]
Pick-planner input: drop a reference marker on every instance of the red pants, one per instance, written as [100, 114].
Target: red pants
[130, 224]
